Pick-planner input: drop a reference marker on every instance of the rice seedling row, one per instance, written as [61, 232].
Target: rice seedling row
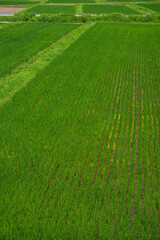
[50, 9]
[30, 38]
[108, 9]
[155, 6]
[71, 1]
[86, 162]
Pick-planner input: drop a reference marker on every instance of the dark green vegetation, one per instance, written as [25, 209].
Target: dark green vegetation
[19, 42]
[72, 18]
[49, 9]
[108, 9]
[154, 7]
[80, 145]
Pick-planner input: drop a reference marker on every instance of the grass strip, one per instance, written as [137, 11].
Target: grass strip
[79, 9]
[19, 78]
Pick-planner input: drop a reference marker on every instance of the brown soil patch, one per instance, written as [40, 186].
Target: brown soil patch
[9, 10]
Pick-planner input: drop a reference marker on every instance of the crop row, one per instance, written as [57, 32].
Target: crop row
[30, 39]
[98, 9]
[82, 141]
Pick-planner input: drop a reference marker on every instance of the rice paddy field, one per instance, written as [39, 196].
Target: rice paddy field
[30, 39]
[70, 1]
[80, 143]
[97, 9]
[108, 9]
[95, 1]
[52, 9]
[135, 1]
[155, 7]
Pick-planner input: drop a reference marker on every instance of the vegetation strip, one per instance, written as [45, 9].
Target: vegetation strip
[79, 9]
[10, 84]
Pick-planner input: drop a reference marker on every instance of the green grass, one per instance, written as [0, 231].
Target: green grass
[30, 39]
[108, 9]
[80, 144]
[154, 7]
[52, 9]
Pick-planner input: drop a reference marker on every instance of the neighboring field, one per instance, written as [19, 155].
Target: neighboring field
[131, 0]
[10, 10]
[52, 9]
[108, 9]
[5, 3]
[71, 1]
[80, 145]
[30, 38]
[154, 7]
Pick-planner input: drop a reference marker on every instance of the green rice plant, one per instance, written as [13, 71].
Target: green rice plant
[155, 7]
[80, 143]
[31, 38]
[26, 72]
[127, 1]
[71, 1]
[98, 9]
[51, 9]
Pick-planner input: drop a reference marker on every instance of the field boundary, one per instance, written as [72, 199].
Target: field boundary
[24, 73]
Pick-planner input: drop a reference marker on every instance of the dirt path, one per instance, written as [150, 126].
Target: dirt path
[6, 22]
[9, 10]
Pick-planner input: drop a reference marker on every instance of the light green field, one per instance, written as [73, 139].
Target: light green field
[80, 143]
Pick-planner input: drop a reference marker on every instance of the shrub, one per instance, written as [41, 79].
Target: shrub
[115, 17]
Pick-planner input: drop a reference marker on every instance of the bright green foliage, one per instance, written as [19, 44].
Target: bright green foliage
[50, 9]
[154, 7]
[80, 144]
[108, 9]
[79, 9]
[19, 42]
